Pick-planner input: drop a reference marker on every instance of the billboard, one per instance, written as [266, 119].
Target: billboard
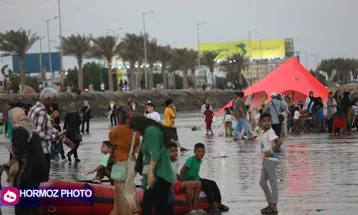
[32, 62]
[273, 48]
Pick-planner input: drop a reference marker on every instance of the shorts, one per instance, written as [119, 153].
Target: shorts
[176, 187]
[174, 133]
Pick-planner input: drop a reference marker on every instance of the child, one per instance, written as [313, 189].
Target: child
[209, 115]
[190, 188]
[1, 122]
[351, 117]
[228, 119]
[190, 171]
[57, 147]
[106, 149]
[270, 143]
[321, 119]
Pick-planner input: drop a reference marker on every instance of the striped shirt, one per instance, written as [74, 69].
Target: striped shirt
[43, 127]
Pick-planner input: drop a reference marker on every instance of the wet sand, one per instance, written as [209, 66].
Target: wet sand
[317, 175]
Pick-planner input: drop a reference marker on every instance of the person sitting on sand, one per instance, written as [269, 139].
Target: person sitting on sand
[101, 170]
[190, 172]
[191, 189]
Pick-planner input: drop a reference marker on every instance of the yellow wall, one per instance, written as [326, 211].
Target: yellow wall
[270, 48]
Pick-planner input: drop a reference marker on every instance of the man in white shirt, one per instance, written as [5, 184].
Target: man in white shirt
[151, 114]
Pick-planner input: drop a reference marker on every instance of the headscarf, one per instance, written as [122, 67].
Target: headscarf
[72, 108]
[86, 104]
[141, 123]
[18, 119]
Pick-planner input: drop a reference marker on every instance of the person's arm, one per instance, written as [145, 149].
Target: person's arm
[173, 113]
[96, 169]
[40, 121]
[153, 135]
[182, 172]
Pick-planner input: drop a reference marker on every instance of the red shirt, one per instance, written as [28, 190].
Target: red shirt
[209, 114]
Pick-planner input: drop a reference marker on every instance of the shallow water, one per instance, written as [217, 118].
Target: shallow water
[316, 174]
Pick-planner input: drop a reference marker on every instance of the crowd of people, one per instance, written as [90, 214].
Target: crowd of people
[313, 115]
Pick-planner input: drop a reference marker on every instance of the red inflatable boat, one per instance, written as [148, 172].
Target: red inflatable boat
[103, 200]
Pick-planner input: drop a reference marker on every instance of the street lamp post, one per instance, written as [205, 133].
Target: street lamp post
[61, 54]
[41, 68]
[49, 46]
[114, 31]
[145, 50]
[198, 40]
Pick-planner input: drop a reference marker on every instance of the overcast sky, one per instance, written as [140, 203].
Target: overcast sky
[319, 27]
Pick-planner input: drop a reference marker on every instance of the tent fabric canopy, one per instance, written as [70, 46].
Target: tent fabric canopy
[290, 78]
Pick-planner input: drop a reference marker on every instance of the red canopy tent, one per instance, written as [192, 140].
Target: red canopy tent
[290, 78]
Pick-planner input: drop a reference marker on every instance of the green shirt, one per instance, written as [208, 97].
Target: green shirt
[153, 148]
[240, 103]
[192, 169]
[104, 161]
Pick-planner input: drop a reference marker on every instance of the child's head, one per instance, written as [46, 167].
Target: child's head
[199, 151]
[297, 107]
[173, 149]
[207, 107]
[227, 111]
[266, 120]
[247, 107]
[106, 147]
[261, 111]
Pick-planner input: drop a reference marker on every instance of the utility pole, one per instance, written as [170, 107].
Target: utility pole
[41, 67]
[49, 45]
[61, 55]
[198, 40]
[145, 51]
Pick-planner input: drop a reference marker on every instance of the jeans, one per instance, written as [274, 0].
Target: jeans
[242, 122]
[157, 197]
[211, 190]
[330, 125]
[113, 120]
[57, 148]
[268, 173]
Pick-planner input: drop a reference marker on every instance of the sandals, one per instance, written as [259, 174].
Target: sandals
[268, 210]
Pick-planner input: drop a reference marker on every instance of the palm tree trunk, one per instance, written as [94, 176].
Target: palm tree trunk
[212, 78]
[194, 78]
[185, 79]
[151, 81]
[80, 74]
[22, 71]
[110, 76]
[165, 80]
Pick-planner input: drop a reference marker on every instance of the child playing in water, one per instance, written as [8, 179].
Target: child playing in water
[270, 144]
[209, 115]
[190, 172]
[190, 188]
[106, 149]
[228, 119]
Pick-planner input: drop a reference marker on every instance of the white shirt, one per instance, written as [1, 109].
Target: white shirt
[355, 110]
[229, 118]
[296, 115]
[267, 143]
[154, 116]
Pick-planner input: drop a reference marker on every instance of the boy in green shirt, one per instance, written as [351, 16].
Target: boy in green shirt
[190, 171]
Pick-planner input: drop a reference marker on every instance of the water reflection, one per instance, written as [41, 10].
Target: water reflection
[316, 175]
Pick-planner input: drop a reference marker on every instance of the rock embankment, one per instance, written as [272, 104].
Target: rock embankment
[184, 100]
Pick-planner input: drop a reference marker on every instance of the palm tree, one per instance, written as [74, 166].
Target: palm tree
[234, 65]
[105, 47]
[18, 43]
[165, 54]
[184, 59]
[130, 50]
[209, 58]
[153, 56]
[79, 47]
